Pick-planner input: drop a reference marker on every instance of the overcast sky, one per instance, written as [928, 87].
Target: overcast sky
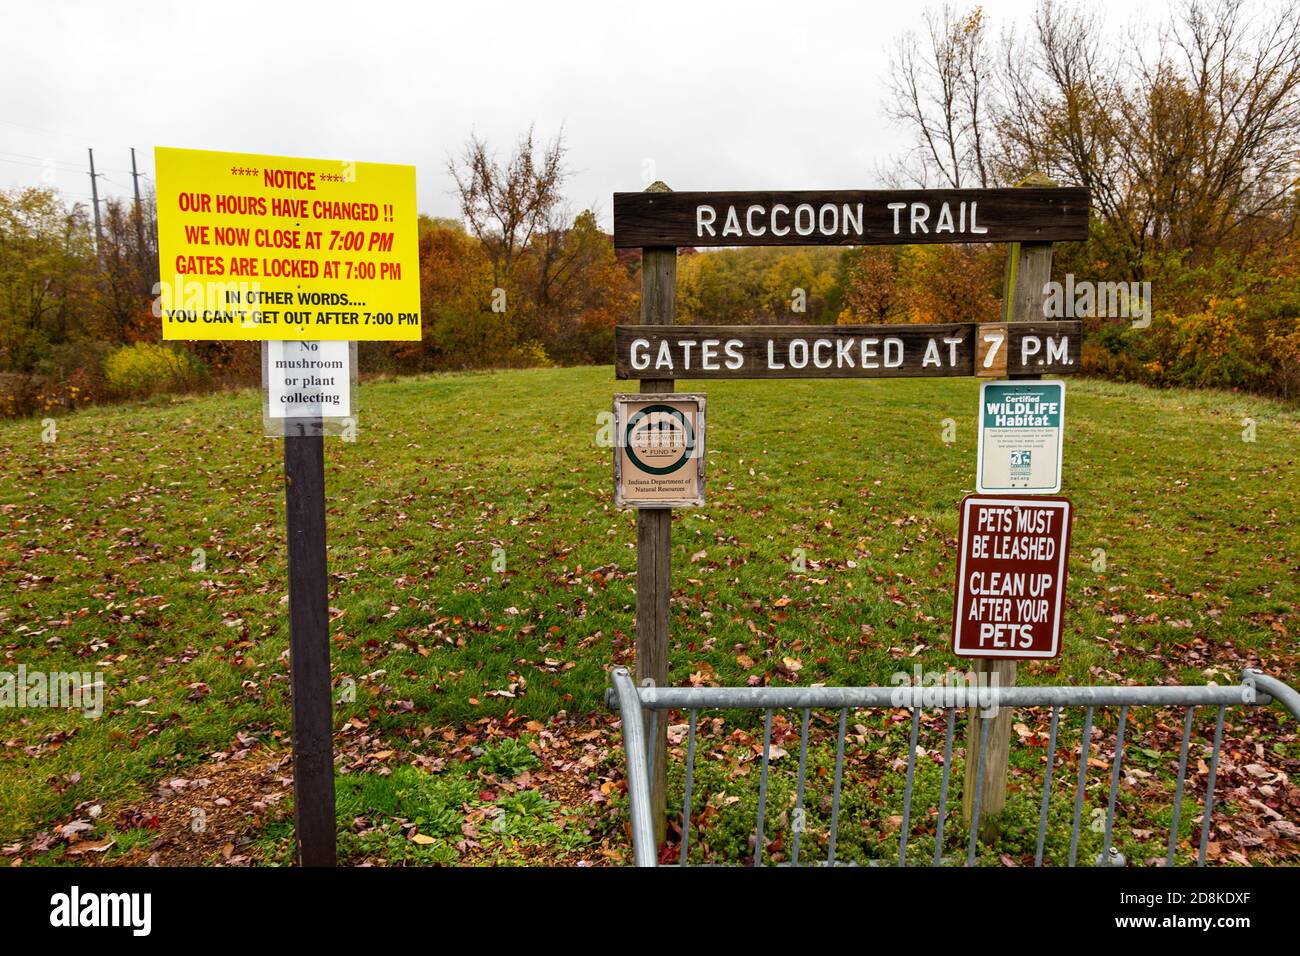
[700, 94]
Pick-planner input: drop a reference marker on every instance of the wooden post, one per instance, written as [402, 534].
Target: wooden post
[1028, 270]
[309, 650]
[654, 534]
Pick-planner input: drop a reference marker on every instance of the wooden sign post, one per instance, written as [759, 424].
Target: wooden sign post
[1028, 270]
[309, 648]
[654, 528]
[659, 221]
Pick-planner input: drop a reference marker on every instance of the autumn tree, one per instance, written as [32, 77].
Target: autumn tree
[578, 290]
[1186, 142]
[124, 275]
[950, 283]
[459, 328]
[46, 275]
[506, 204]
[941, 90]
[802, 285]
[872, 294]
[760, 285]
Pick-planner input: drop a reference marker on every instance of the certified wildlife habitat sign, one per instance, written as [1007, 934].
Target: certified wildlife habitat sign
[659, 450]
[1011, 568]
[1021, 435]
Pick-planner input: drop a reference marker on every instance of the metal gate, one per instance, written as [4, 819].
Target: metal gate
[642, 708]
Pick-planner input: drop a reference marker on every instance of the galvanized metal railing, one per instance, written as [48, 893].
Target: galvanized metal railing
[640, 708]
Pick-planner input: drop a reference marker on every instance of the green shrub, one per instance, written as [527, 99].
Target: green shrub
[528, 355]
[144, 369]
[508, 757]
[432, 801]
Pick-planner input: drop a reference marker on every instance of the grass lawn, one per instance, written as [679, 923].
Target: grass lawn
[147, 543]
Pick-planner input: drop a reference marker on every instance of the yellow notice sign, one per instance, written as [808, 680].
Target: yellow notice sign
[274, 247]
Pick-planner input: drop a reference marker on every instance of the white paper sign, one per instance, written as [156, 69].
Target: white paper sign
[309, 379]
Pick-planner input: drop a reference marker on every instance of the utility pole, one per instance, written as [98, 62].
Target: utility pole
[94, 197]
[145, 274]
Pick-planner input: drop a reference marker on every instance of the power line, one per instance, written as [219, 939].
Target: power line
[19, 162]
[50, 132]
[63, 193]
[42, 159]
[36, 129]
[46, 161]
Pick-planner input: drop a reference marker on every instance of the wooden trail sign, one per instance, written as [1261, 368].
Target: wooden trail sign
[657, 351]
[849, 217]
[844, 351]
